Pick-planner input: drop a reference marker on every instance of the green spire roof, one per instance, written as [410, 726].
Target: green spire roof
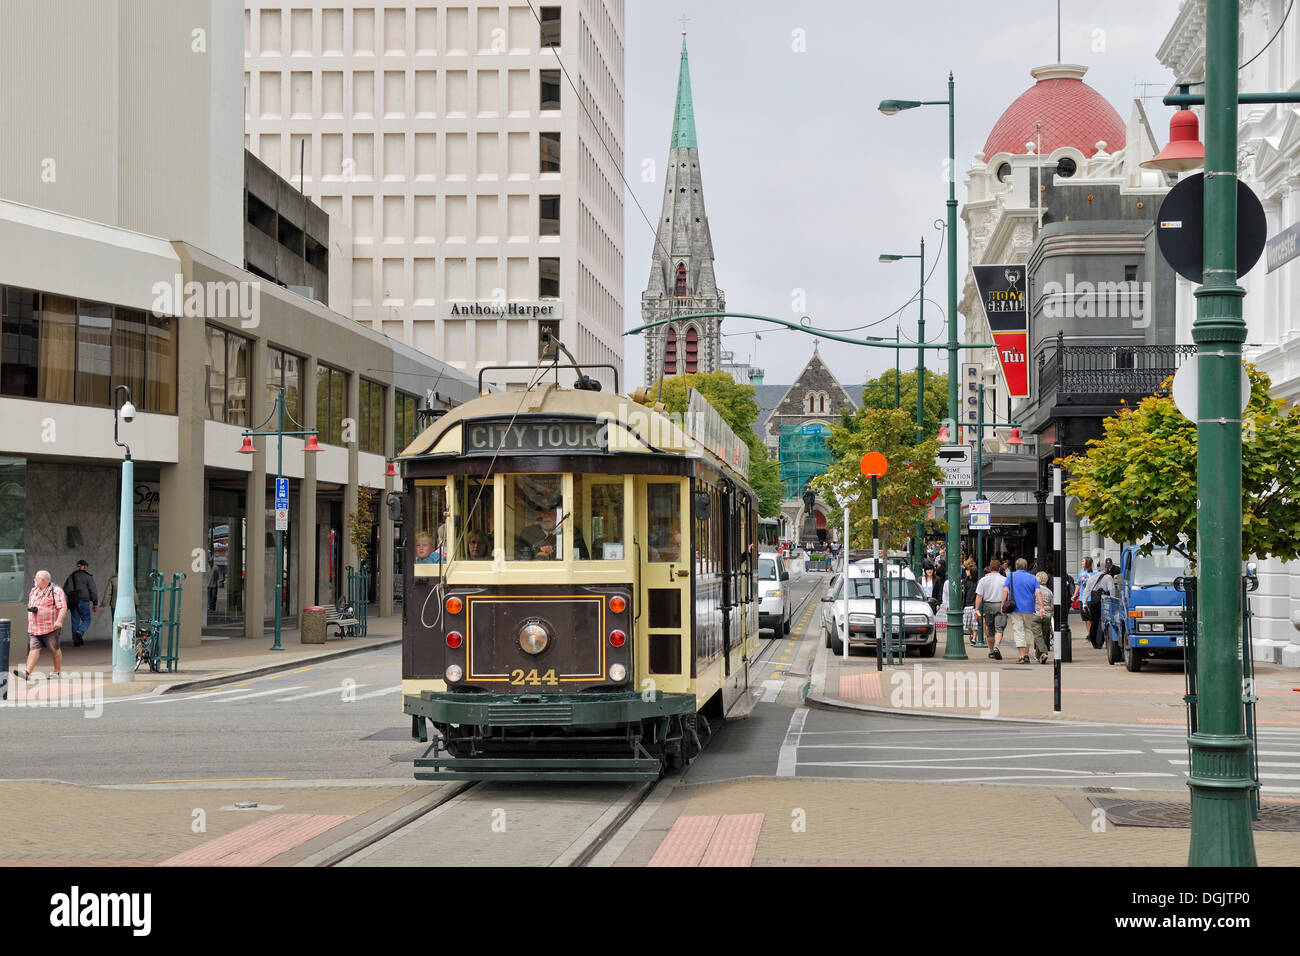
[684, 116]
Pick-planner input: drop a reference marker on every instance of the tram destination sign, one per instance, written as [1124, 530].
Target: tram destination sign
[531, 437]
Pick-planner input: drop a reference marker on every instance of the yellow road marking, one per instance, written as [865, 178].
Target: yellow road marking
[215, 779]
[274, 677]
[303, 670]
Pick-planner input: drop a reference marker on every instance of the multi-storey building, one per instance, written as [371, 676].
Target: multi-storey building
[469, 155]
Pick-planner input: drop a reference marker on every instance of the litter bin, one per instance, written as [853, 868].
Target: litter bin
[313, 625]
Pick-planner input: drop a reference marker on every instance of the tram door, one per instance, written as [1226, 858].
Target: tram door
[663, 612]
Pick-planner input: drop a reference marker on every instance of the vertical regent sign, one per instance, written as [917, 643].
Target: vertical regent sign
[1003, 293]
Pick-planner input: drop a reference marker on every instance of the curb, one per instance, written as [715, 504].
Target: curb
[274, 668]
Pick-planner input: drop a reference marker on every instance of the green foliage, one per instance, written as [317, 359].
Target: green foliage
[361, 522]
[904, 491]
[879, 393]
[1139, 479]
[736, 404]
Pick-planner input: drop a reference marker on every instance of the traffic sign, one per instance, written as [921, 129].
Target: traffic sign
[874, 465]
[281, 493]
[281, 519]
[957, 465]
[1186, 390]
[980, 512]
[1180, 228]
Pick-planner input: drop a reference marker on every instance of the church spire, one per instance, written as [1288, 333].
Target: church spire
[684, 117]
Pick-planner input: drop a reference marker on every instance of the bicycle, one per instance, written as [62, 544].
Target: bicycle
[147, 646]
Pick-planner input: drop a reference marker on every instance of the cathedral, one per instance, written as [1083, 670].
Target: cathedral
[681, 267]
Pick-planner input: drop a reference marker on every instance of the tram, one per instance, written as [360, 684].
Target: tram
[582, 585]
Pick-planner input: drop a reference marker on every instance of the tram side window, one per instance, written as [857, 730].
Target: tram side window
[430, 512]
[598, 505]
[474, 509]
[534, 510]
[664, 520]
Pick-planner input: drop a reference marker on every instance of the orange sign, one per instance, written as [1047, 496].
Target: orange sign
[874, 464]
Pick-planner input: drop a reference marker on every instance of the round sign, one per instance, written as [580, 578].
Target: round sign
[1186, 390]
[874, 464]
[1181, 221]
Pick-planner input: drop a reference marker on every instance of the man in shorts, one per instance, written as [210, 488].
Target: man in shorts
[46, 608]
[988, 605]
[1021, 588]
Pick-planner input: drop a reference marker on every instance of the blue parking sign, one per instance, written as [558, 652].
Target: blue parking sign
[282, 492]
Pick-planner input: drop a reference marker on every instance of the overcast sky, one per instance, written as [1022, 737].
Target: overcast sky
[806, 183]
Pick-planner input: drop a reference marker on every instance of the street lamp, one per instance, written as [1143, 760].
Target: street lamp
[918, 530]
[956, 645]
[124, 607]
[311, 445]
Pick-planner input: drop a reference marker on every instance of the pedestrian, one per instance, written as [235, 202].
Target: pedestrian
[81, 594]
[930, 589]
[1077, 596]
[1091, 596]
[210, 582]
[1044, 602]
[988, 605]
[47, 606]
[969, 619]
[1020, 590]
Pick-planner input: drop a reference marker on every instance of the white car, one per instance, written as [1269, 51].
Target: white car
[12, 577]
[773, 593]
[917, 620]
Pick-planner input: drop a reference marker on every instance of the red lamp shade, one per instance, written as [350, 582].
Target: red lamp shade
[247, 447]
[943, 433]
[1014, 438]
[312, 444]
[390, 471]
[1185, 150]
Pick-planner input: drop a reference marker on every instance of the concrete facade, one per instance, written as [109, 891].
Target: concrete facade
[429, 141]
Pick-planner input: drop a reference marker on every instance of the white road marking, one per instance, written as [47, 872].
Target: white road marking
[336, 689]
[203, 696]
[381, 692]
[261, 693]
[789, 757]
[1262, 753]
[772, 690]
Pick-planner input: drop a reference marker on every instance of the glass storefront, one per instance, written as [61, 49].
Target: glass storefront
[13, 518]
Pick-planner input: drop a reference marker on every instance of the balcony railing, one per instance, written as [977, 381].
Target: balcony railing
[1107, 369]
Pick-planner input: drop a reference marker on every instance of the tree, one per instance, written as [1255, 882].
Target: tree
[906, 489]
[362, 522]
[736, 404]
[1138, 481]
[879, 393]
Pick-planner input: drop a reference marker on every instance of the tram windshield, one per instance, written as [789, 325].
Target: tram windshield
[429, 541]
[475, 507]
[534, 517]
[598, 505]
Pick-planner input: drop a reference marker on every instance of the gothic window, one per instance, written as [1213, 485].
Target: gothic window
[692, 350]
[670, 353]
[680, 289]
[821, 402]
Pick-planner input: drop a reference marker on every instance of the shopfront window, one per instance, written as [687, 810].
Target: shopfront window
[474, 524]
[429, 541]
[598, 505]
[13, 519]
[534, 512]
[664, 519]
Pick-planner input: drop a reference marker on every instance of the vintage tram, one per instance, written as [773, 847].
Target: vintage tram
[581, 595]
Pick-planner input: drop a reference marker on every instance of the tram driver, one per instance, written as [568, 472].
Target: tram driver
[540, 540]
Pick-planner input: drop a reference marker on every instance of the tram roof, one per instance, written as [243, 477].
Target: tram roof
[652, 431]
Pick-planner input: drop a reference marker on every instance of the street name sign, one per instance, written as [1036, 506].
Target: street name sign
[957, 464]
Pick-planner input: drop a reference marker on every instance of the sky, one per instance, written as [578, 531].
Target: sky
[806, 183]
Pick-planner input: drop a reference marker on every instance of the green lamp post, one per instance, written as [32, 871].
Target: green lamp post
[311, 445]
[956, 645]
[918, 532]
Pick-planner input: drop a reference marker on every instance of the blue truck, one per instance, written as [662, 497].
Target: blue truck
[1144, 619]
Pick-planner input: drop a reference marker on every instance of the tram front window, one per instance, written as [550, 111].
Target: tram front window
[474, 510]
[430, 509]
[598, 503]
[534, 512]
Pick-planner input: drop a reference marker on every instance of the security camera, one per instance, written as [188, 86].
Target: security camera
[128, 412]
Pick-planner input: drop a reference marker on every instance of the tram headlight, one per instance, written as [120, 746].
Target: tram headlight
[454, 673]
[533, 638]
[618, 673]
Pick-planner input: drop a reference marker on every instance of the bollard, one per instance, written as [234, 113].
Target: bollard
[4, 657]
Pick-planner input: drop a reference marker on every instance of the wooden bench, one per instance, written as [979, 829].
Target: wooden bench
[346, 623]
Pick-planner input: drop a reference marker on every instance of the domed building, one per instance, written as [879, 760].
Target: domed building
[1059, 202]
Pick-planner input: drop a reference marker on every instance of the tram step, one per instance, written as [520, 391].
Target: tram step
[537, 768]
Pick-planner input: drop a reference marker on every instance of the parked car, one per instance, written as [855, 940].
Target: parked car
[910, 612]
[773, 593]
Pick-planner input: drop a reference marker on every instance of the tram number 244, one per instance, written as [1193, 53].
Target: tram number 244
[531, 678]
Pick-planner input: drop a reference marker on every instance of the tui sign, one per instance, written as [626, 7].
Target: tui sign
[1004, 293]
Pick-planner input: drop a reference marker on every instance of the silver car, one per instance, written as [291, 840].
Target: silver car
[910, 611]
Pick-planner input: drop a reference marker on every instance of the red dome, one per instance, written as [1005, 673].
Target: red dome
[1071, 111]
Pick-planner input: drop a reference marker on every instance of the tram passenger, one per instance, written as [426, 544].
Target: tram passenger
[478, 547]
[425, 550]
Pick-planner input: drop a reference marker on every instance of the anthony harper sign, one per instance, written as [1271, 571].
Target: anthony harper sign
[501, 309]
[1003, 293]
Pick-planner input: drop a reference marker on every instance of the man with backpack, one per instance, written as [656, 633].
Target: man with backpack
[82, 595]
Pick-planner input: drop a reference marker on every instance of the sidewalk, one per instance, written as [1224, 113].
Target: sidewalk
[1091, 689]
[216, 660]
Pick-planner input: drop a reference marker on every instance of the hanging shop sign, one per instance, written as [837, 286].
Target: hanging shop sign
[1004, 294]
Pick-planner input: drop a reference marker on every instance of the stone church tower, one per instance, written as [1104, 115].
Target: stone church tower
[681, 268]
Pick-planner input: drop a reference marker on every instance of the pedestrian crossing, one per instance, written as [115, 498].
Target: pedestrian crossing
[1278, 750]
[345, 691]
